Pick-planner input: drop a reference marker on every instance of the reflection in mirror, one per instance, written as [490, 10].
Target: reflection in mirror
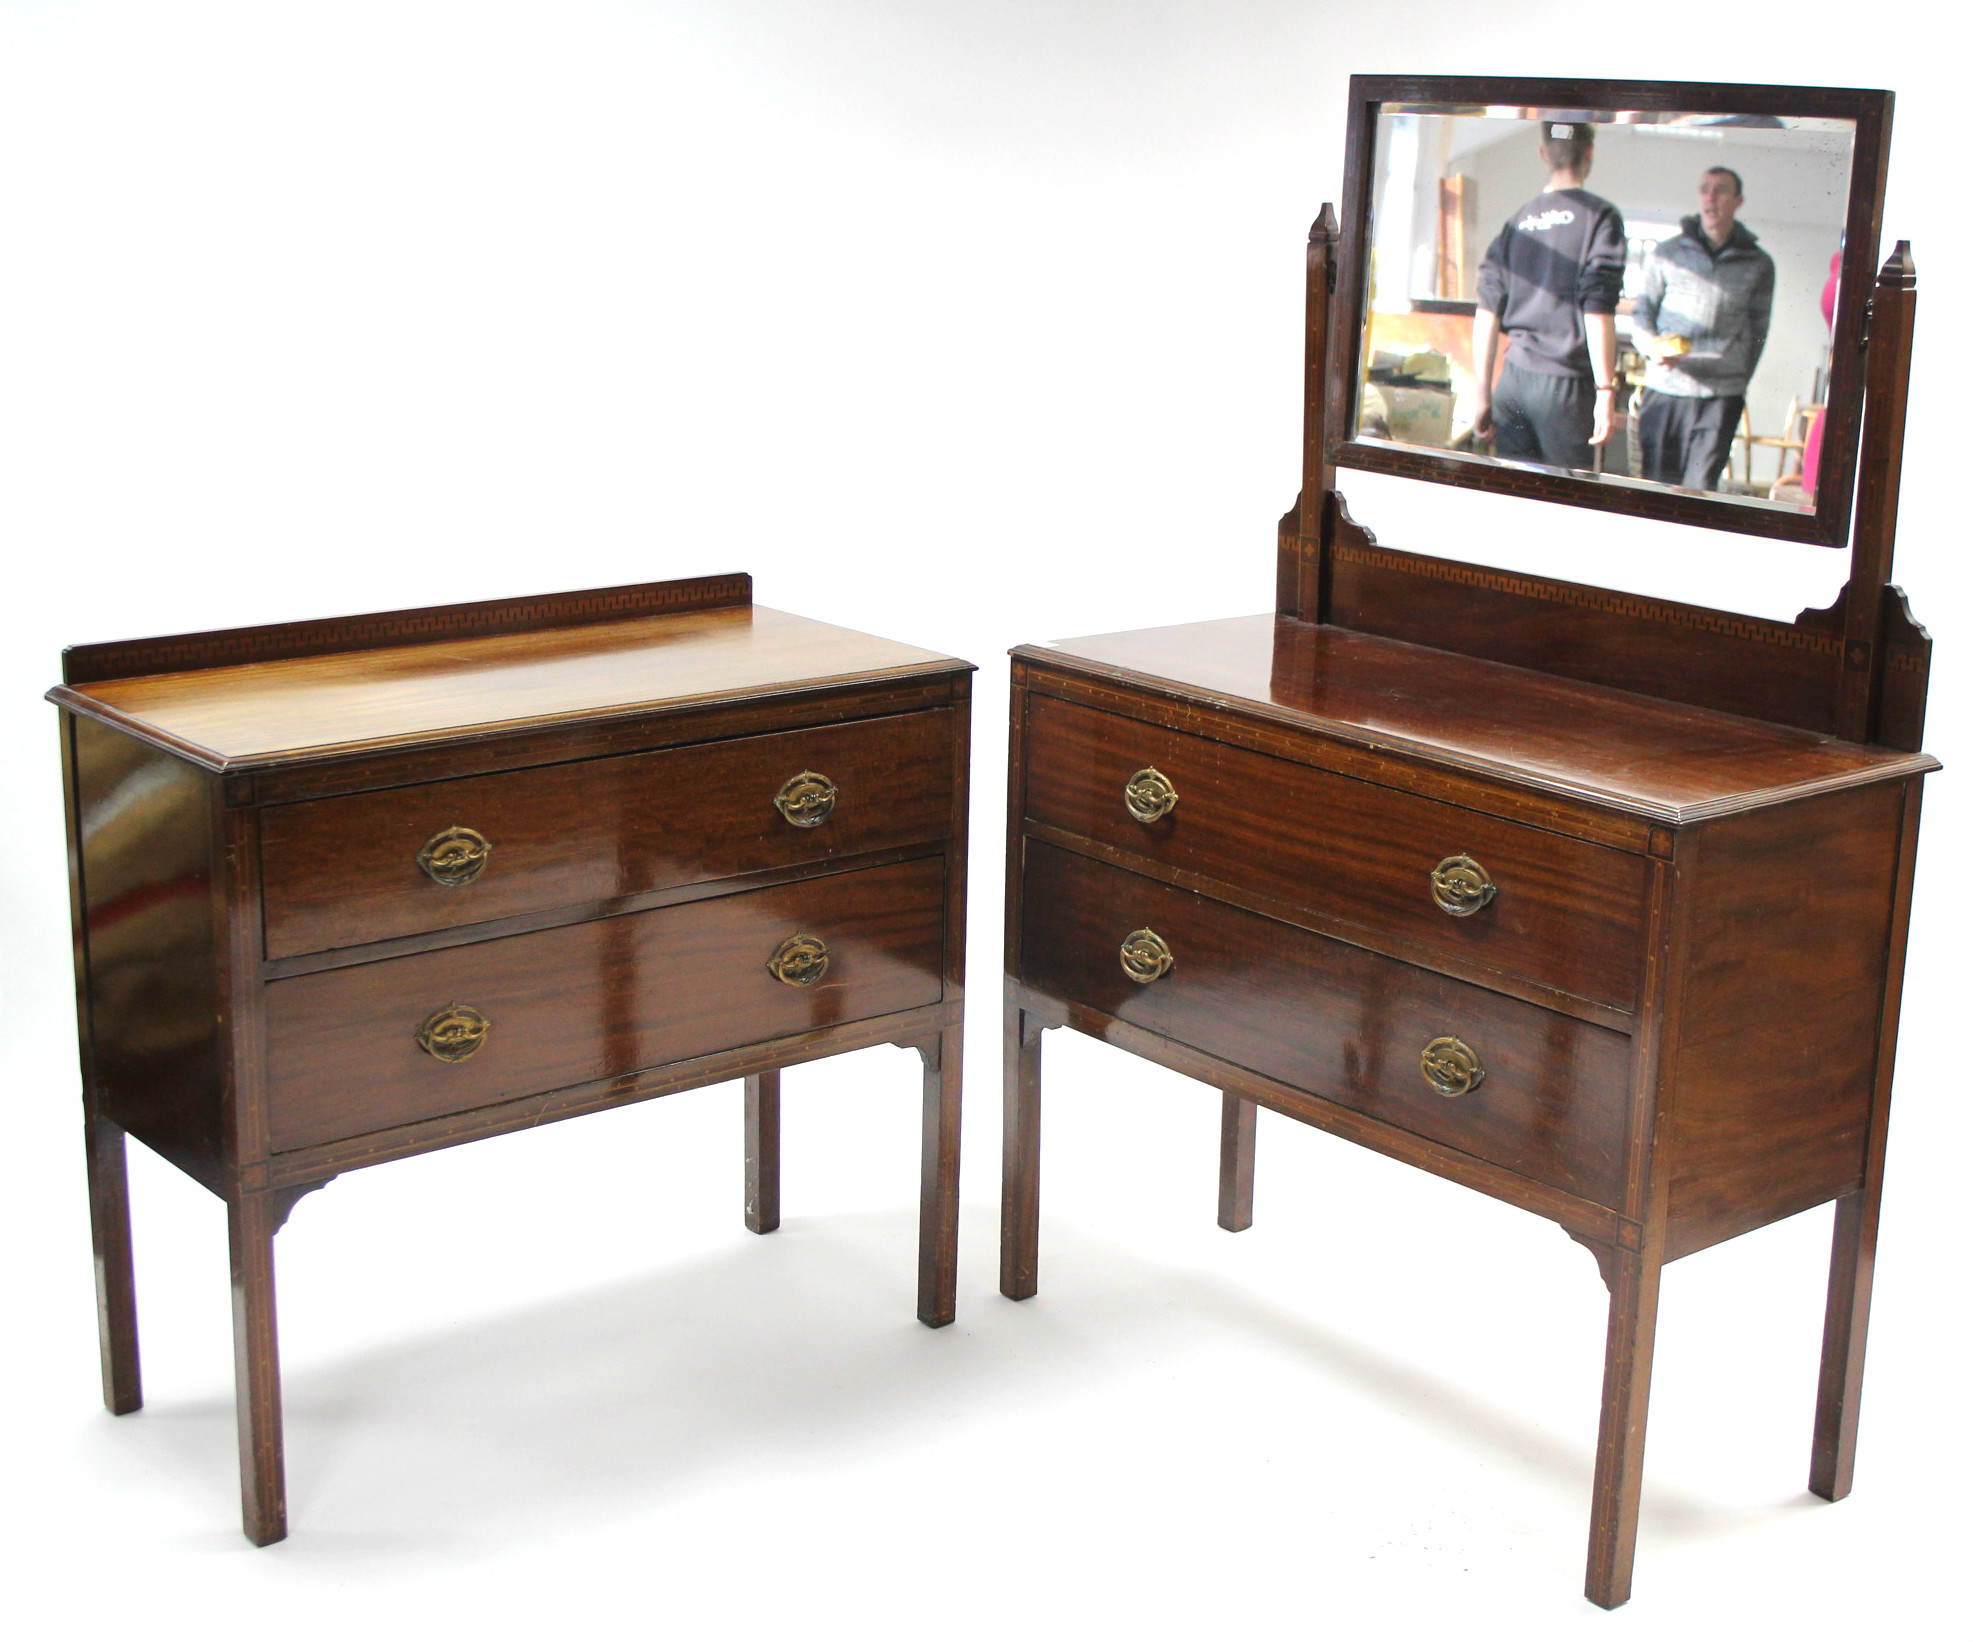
[1642, 295]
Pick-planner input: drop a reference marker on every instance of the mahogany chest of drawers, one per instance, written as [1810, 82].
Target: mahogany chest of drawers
[1628, 964]
[1588, 899]
[348, 891]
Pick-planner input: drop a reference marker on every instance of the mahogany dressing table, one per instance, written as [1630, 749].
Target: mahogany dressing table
[1591, 902]
[346, 891]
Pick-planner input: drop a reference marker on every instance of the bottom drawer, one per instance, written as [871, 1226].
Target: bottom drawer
[1334, 1020]
[595, 1000]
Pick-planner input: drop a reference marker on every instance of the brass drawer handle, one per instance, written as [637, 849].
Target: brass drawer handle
[454, 1033]
[800, 960]
[1461, 886]
[1149, 794]
[1451, 1067]
[1145, 956]
[454, 856]
[805, 800]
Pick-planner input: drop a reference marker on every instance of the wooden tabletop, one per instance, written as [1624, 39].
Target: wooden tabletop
[240, 716]
[1648, 757]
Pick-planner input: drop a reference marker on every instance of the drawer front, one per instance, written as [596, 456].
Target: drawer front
[1334, 1020]
[1564, 913]
[588, 1001]
[341, 871]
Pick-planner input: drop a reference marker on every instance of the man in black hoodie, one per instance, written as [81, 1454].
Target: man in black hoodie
[1702, 320]
[1550, 281]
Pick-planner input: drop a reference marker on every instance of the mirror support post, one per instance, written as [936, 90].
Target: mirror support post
[1304, 533]
[1887, 379]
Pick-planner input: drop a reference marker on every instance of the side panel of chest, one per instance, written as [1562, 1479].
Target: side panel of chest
[145, 868]
[1775, 1033]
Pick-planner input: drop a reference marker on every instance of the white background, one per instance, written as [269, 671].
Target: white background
[967, 324]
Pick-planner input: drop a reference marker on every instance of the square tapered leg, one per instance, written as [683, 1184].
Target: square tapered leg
[1020, 1164]
[116, 1281]
[1236, 1162]
[1620, 1440]
[1853, 1258]
[763, 1152]
[938, 1189]
[251, 1221]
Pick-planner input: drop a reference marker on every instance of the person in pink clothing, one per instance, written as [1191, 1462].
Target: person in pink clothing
[1812, 447]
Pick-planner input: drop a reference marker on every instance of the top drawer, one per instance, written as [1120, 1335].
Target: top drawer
[1563, 913]
[342, 871]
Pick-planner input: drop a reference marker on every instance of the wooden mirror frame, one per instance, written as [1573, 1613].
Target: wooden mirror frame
[1857, 670]
[1829, 524]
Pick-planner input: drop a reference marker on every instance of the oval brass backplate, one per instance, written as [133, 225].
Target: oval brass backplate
[1451, 1067]
[1461, 886]
[454, 1033]
[455, 856]
[800, 960]
[1145, 956]
[1149, 795]
[805, 800]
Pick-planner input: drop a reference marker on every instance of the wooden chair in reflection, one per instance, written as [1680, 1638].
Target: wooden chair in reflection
[1788, 444]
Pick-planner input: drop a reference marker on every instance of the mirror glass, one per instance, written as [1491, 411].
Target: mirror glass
[1640, 298]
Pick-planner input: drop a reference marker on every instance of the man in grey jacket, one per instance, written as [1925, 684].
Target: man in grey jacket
[1702, 321]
